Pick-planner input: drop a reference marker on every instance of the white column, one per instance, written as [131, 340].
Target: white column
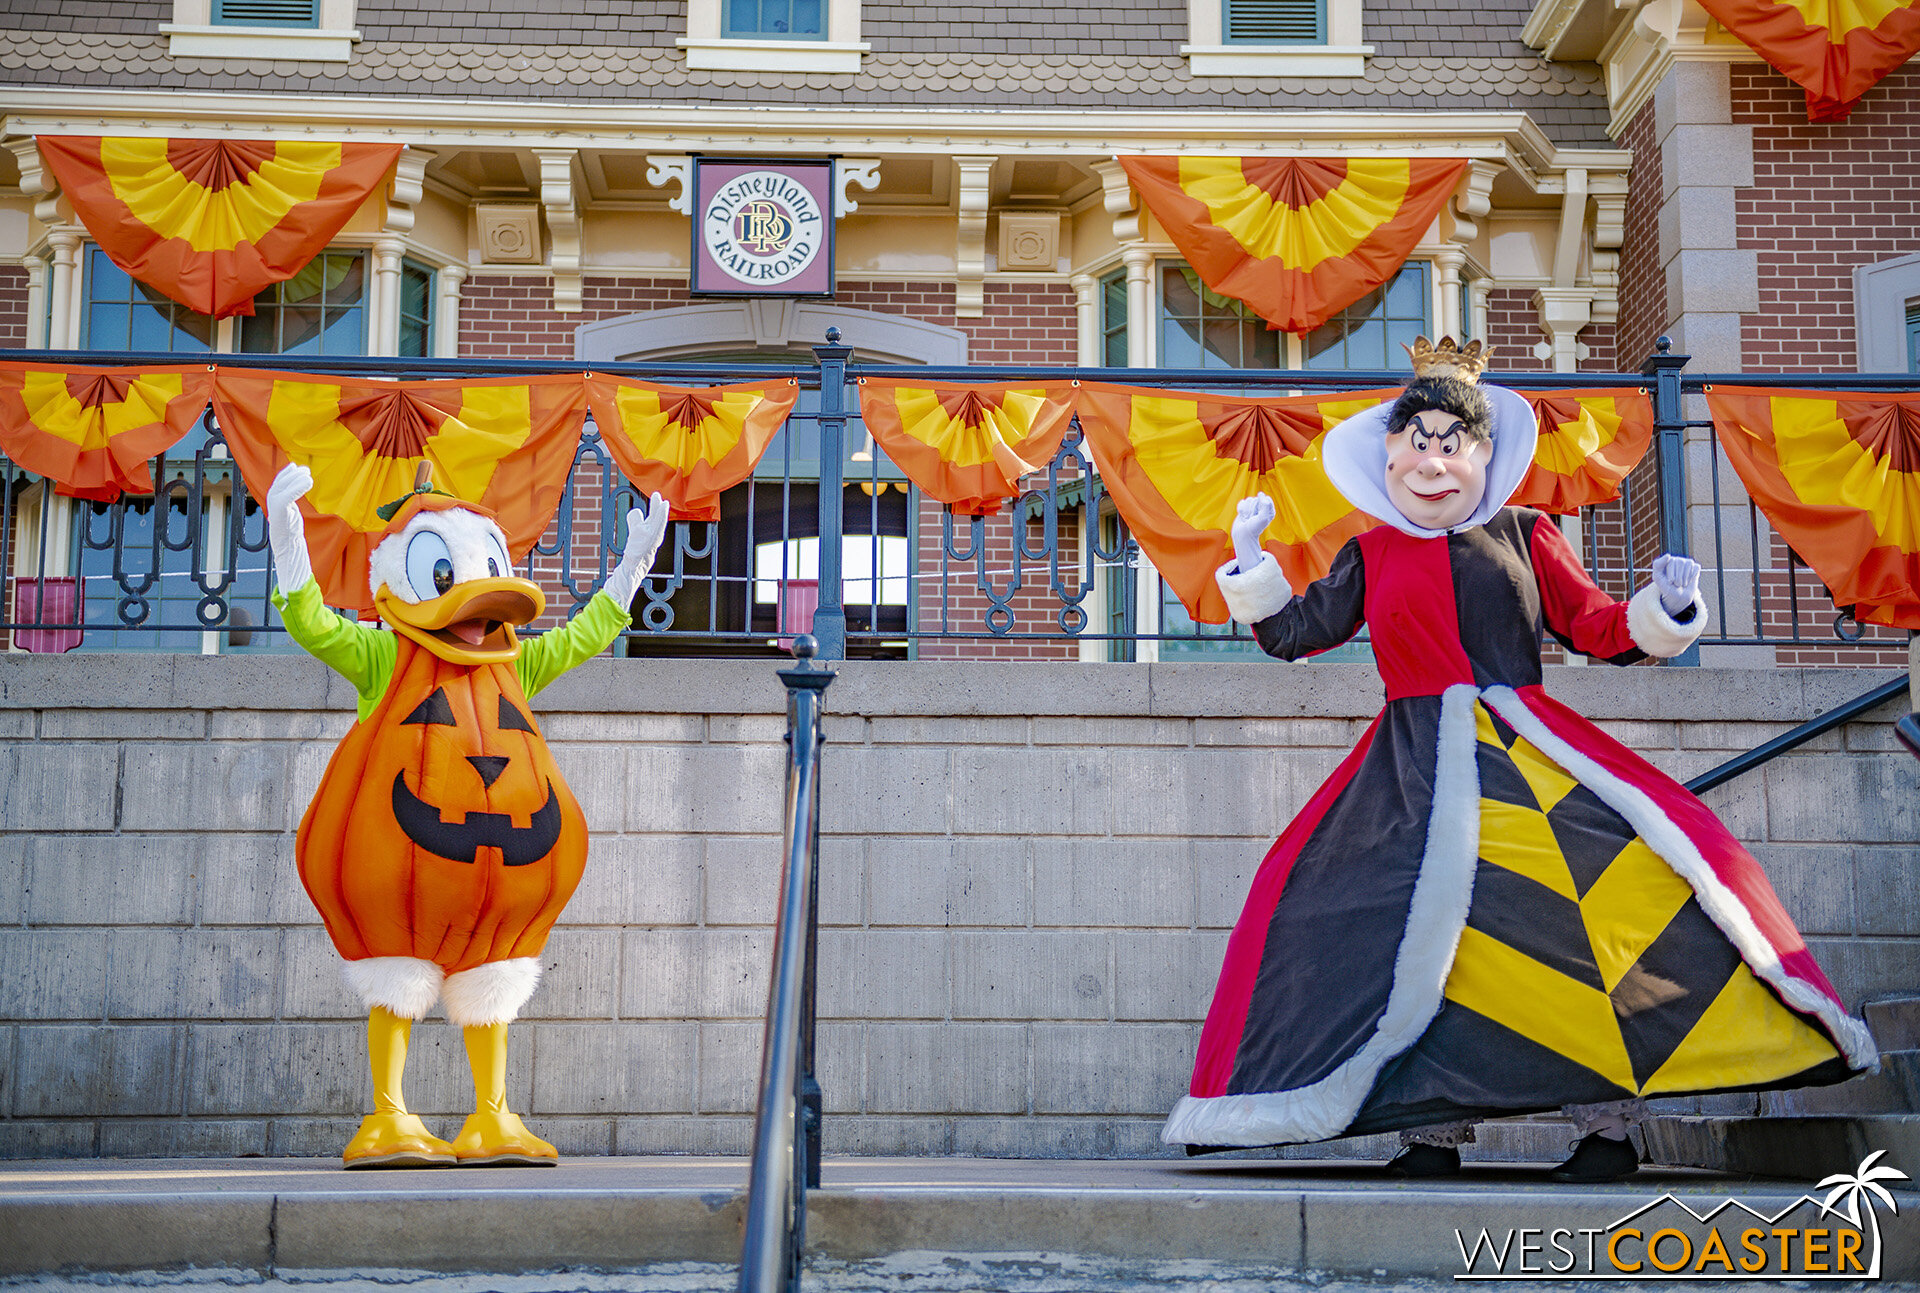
[446, 311]
[1086, 317]
[37, 275]
[64, 290]
[383, 304]
[1139, 262]
[1477, 290]
[1446, 285]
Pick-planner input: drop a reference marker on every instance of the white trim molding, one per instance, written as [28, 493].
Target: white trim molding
[708, 51]
[1882, 295]
[192, 34]
[766, 323]
[1342, 54]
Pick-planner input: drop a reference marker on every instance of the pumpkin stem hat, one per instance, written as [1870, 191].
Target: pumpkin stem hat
[471, 621]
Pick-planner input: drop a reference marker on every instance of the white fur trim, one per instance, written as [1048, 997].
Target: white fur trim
[1254, 594]
[405, 985]
[469, 537]
[1673, 846]
[1658, 633]
[492, 993]
[1354, 456]
[1435, 917]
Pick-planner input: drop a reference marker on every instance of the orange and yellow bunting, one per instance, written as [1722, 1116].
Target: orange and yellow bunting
[1179, 463]
[92, 430]
[967, 446]
[1296, 238]
[504, 442]
[210, 222]
[1589, 441]
[1839, 476]
[687, 445]
[1835, 50]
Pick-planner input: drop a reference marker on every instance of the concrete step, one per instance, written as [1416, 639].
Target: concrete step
[1894, 1089]
[1804, 1149]
[265, 1219]
[1894, 1021]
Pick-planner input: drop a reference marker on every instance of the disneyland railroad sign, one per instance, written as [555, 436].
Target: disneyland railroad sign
[762, 228]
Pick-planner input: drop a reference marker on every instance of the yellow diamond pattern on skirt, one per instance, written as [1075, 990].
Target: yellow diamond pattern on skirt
[1656, 999]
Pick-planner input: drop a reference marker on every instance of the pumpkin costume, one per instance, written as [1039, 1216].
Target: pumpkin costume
[443, 841]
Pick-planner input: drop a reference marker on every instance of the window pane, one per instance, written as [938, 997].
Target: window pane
[107, 328]
[344, 334]
[152, 329]
[106, 281]
[806, 17]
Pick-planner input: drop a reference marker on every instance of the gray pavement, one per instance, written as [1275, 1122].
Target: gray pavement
[673, 1224]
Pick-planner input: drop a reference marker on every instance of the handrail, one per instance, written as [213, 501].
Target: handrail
[786, 1128]
[1759, 754]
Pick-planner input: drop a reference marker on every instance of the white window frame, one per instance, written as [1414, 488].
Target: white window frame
[1881, 295]
[1208, 54]
[192, 34]
[708, 51]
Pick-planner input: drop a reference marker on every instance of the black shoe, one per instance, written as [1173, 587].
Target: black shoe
[1424, 1161]
[1598, 1159]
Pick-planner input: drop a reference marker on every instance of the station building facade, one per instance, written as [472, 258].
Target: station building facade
[1634, 172]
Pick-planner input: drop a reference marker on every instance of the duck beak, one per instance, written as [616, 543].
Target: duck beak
[471, 623]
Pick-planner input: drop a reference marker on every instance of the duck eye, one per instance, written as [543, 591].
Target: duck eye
[493, 568]
[429, 565]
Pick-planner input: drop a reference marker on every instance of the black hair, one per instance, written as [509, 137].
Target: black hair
[1449, 395]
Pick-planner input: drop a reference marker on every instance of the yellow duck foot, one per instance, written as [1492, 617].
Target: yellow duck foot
[396, 1140]
[501, 1140]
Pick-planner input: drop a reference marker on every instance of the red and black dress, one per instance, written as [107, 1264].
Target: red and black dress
[1491, 907]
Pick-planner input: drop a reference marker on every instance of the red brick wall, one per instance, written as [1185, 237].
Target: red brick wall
[512, 317]
[13, 307]
[1643, 282]
[1513, 330]
[1827, 198]
[1024, 323]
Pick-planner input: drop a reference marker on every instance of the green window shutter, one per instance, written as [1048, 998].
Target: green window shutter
[1276, 22]
[266, 13]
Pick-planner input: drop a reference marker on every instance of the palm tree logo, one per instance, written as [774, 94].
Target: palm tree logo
[1863, 1186]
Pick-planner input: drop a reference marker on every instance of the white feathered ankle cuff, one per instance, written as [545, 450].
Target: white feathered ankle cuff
[1255, 594]
[1658, 633]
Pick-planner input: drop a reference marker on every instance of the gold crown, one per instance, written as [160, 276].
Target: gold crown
[1448, 360]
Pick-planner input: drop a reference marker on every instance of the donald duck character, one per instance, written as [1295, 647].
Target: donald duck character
[443, 841]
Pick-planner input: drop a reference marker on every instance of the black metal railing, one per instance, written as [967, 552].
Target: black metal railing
[828, 537]
[786, 1128]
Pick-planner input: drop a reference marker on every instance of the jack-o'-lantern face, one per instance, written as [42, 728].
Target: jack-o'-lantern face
[429, 824]
[442, 828]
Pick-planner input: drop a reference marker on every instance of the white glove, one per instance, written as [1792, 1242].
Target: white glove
[1250, 521]
[644, 532]
[1678, 579]
[286, 529]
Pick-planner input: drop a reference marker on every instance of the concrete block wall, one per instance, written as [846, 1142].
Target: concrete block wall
[1027, 878]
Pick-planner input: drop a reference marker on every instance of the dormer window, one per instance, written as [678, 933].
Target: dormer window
[773, 36]
[299, 30]
[1275, 22]
[266, 13]
[1316, 38]
[775, 20]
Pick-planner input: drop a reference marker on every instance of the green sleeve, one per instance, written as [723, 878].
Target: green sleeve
[363, 656]
[584, 636]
